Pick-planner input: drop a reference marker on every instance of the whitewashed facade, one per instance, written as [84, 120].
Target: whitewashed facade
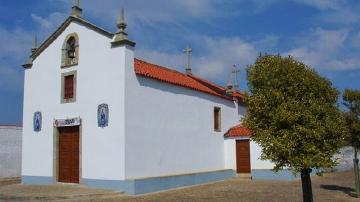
[155, 128]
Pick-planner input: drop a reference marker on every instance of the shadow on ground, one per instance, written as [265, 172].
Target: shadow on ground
[347, 190]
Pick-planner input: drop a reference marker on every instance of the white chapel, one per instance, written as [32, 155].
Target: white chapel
[95, 114]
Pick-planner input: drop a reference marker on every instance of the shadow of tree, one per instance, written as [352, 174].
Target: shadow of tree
[349, 191]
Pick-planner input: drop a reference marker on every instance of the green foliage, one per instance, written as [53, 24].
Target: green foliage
[293, 114]
[352, 102]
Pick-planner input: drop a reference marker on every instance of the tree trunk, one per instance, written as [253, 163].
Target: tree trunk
[356, 172]
[306, 185]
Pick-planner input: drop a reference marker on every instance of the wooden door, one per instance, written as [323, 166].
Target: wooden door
[243, 156]
[68, 156]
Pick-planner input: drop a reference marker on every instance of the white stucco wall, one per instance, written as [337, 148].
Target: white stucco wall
[230, 153]
[169, 129]
[99, 81]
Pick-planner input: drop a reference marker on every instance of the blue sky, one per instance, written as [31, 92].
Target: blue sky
[325, 34]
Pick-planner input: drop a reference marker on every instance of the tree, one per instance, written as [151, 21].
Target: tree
[352, 102]
[294, 116]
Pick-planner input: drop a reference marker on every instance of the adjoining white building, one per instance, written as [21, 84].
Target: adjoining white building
[96, 115]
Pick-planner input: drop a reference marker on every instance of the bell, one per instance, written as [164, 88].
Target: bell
[71, 54]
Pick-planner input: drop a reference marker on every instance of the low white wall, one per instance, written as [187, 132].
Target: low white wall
[345, 159]
[256, 162]
[10, 151]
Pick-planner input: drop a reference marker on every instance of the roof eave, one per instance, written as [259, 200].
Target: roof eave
[238, 137]
[27, 66]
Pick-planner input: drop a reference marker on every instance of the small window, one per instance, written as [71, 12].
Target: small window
[68, 87]
[217, 119]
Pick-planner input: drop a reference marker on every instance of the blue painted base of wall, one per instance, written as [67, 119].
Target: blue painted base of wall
[37, 180]
[145, 185]
[266, 174]
[162, 183]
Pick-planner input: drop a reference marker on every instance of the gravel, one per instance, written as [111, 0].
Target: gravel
[330, 187]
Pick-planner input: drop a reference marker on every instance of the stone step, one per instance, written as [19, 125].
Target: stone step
[243, 175]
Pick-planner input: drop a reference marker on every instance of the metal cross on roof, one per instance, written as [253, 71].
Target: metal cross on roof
[35, 41]
[34, 46]
[188, 51]
[235, 72]
[76, 10]
[77, 3]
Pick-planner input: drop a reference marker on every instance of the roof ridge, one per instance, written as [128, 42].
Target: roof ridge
[204, 81]
[175, 77]
[213, 86]
[207, 82]
[218, 88]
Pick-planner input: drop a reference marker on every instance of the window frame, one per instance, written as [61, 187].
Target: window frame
[62, 98]
[70, 79]
[217, 119]
[65, 60]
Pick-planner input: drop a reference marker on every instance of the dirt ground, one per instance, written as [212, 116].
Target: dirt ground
[330, 187]
[9, 181]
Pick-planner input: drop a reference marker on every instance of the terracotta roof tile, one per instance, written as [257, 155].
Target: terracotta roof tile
[218, 88]
[167, 75]
[238, 131]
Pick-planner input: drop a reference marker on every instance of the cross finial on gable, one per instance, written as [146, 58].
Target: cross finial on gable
[188, 51]
[121, 37]
[122, 24]
[34, 46]
[76, 10]
[122, 16]
[77, 3]
[235, 72]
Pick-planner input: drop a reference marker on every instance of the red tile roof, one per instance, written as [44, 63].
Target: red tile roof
[167, 75]
[238, 131]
